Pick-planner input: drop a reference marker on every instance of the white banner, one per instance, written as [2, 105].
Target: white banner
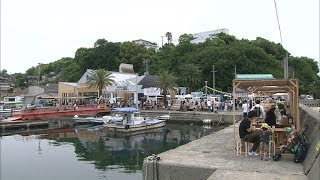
[151, 91]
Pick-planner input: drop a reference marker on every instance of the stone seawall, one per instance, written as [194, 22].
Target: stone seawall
[195, 116]
[312, 134]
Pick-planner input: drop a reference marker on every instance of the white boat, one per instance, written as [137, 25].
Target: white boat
[9, 107]
[78, 119]
[164, 117]
[132, 121]
[98, 120]
[8, 111]
[112, 119]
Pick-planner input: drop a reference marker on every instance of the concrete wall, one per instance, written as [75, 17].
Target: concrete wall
[310, 102]
[192, 116]
[312, 134]
[155, 169]
[35, 90]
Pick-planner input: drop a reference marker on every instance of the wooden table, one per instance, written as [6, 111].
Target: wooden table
[281, 134]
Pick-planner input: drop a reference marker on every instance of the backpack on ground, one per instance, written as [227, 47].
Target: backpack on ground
[257, 111]
[301, 151]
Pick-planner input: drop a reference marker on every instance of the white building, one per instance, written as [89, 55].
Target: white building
[202, 36]
[147, 44]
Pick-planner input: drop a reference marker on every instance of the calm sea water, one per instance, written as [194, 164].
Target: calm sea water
[84, 152]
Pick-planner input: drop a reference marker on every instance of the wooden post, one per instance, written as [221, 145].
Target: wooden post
[297, 105]
[234, 114]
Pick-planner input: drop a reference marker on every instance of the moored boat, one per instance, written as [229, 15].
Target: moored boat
[132, 121]
[78, 119]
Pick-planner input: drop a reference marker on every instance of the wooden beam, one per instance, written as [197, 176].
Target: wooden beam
[293, 83]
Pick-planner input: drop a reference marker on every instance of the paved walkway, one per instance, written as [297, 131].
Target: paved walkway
[216, 152]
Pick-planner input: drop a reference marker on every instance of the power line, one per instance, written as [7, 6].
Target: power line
[275, 6]
[285, 61]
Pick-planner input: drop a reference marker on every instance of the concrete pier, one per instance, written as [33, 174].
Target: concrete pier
[18, 124]
[199, 159]
[214, 157]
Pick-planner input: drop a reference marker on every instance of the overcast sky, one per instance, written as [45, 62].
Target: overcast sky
[43, 31]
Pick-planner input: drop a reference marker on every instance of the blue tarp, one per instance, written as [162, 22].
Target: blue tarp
[126, 109]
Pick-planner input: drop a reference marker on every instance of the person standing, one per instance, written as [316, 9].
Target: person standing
[247, 133]
[209, 105]
[258, 109]
[245, 109]
[202, 104]
[222, 104]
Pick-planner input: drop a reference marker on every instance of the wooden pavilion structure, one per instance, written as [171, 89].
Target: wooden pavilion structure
[270, 87]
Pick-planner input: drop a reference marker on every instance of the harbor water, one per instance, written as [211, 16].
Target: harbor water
[88, 152]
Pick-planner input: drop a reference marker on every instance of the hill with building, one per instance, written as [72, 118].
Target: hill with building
[226, 53]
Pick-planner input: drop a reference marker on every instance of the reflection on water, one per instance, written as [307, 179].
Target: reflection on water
[89, 152]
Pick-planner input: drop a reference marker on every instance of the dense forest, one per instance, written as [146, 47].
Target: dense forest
[192, 63]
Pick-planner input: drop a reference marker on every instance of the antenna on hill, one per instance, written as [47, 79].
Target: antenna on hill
[162, 40]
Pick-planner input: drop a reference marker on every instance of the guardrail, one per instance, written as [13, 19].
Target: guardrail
[310, 102]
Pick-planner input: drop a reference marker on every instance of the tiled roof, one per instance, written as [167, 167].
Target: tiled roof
[148, 81]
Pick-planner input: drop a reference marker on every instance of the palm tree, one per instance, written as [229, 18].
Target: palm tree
[190, 75]
[169, 37]
[166, 81]
[100, 79]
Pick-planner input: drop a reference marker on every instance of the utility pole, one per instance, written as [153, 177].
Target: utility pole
[147, 66]
[206, 88]
[39, 64]
[136, 93]
[213, 79]
[285, 66]
[235, 71]
[292, 71]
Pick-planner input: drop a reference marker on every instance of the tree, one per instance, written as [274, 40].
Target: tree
[185, 38]
[169, 37]
[85, 58]
[166, 81]
[100, 79]
[132, 53]
[100, 42]
[20, 80]
[304, 70]
[222, 50]
[191, 76]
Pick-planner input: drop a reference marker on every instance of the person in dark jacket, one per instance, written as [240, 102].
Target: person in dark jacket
[247, 133]
[271, 118]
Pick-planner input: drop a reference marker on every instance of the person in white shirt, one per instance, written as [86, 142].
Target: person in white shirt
[258, 109]
[245, 107]
[209, 105]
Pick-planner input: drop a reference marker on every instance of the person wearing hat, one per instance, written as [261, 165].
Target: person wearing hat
[265, 134]
[247, 133]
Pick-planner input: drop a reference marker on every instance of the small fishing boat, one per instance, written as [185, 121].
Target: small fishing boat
[132, 121]
[79, 120]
